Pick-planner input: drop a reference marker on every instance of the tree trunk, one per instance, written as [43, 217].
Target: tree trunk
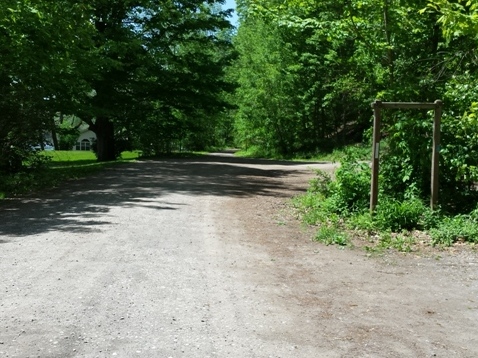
[54, 136]
[390, 52]
[105, 139]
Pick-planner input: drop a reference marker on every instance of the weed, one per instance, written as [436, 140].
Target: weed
[387, 240]
[453, 229]
[361, 221]
[397, 215]
[321, 183]
[332, 235]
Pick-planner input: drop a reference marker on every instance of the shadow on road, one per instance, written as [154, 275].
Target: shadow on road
[84, 206]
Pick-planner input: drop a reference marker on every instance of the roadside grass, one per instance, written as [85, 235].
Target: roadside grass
[59, 167]
[382, 232]
[339, 208]
[361, 151]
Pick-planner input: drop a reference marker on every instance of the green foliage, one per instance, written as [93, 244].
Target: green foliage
[453, 229]
[333, 60]
[387, 240]
[112, 65]
[321, 184]
[327, 199]
[405, 165]
[458, 18]
[396, 216]
[406, 162]
[350, 192]
[323, 63]
[266, 115]
[332, 205]
[332, 235]
[66, 130]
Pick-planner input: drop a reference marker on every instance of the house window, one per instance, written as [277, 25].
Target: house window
[83, 145]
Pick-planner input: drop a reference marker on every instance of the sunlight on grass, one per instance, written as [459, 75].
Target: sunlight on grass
[81, 158]
[71, 156]
[363, 152]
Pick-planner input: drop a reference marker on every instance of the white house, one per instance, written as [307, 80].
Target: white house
[85, 140]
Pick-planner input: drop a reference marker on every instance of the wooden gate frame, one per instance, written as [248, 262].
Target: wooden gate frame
[377, 107]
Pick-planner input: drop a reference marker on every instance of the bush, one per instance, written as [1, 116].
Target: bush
[320, 184]
[351, 189]
[397, 215]
[343, 203]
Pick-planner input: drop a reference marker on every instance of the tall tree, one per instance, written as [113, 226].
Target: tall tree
[40, 44]
[110, 63]
[141, 54]
[346, 54]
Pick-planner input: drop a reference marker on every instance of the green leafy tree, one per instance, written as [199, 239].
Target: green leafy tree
[147, 51]
[458, 18]
[265, 117]
[40, 42]
[110, 63]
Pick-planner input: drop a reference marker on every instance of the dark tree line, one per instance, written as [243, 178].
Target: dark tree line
[147, 74]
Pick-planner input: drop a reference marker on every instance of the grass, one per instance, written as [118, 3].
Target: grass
[401, 242]
[339, 208]
[60, 167]
[363, 152]
[332, 235]
[76, 158]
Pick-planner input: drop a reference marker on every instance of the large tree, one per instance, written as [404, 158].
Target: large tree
[111, 63]
[40, 45]
[150, 51]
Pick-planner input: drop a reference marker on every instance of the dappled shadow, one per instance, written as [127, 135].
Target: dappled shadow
[84, 206]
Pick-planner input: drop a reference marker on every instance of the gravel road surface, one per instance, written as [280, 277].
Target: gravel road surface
[202, 258]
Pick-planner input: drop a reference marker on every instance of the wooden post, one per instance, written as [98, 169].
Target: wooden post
[375, 153]
[377, 106]
[435, 155]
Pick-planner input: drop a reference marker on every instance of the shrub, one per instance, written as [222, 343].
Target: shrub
[320, 184]
[350, 190]
[395, 215]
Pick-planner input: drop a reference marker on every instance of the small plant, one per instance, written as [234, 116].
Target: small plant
[320, 184]
[458, 228]
[332, 235]
[390, 241]
[362, 221]
[397, 215]
[351, 189]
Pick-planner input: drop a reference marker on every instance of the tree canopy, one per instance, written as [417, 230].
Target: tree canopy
[120, 66]
[309, 70]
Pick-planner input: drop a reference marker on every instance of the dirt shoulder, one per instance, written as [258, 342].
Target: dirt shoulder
[346, 303]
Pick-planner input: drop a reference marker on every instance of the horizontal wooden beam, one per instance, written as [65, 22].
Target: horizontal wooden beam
[407, 105]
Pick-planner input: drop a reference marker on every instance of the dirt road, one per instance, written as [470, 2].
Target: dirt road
[200, 258]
